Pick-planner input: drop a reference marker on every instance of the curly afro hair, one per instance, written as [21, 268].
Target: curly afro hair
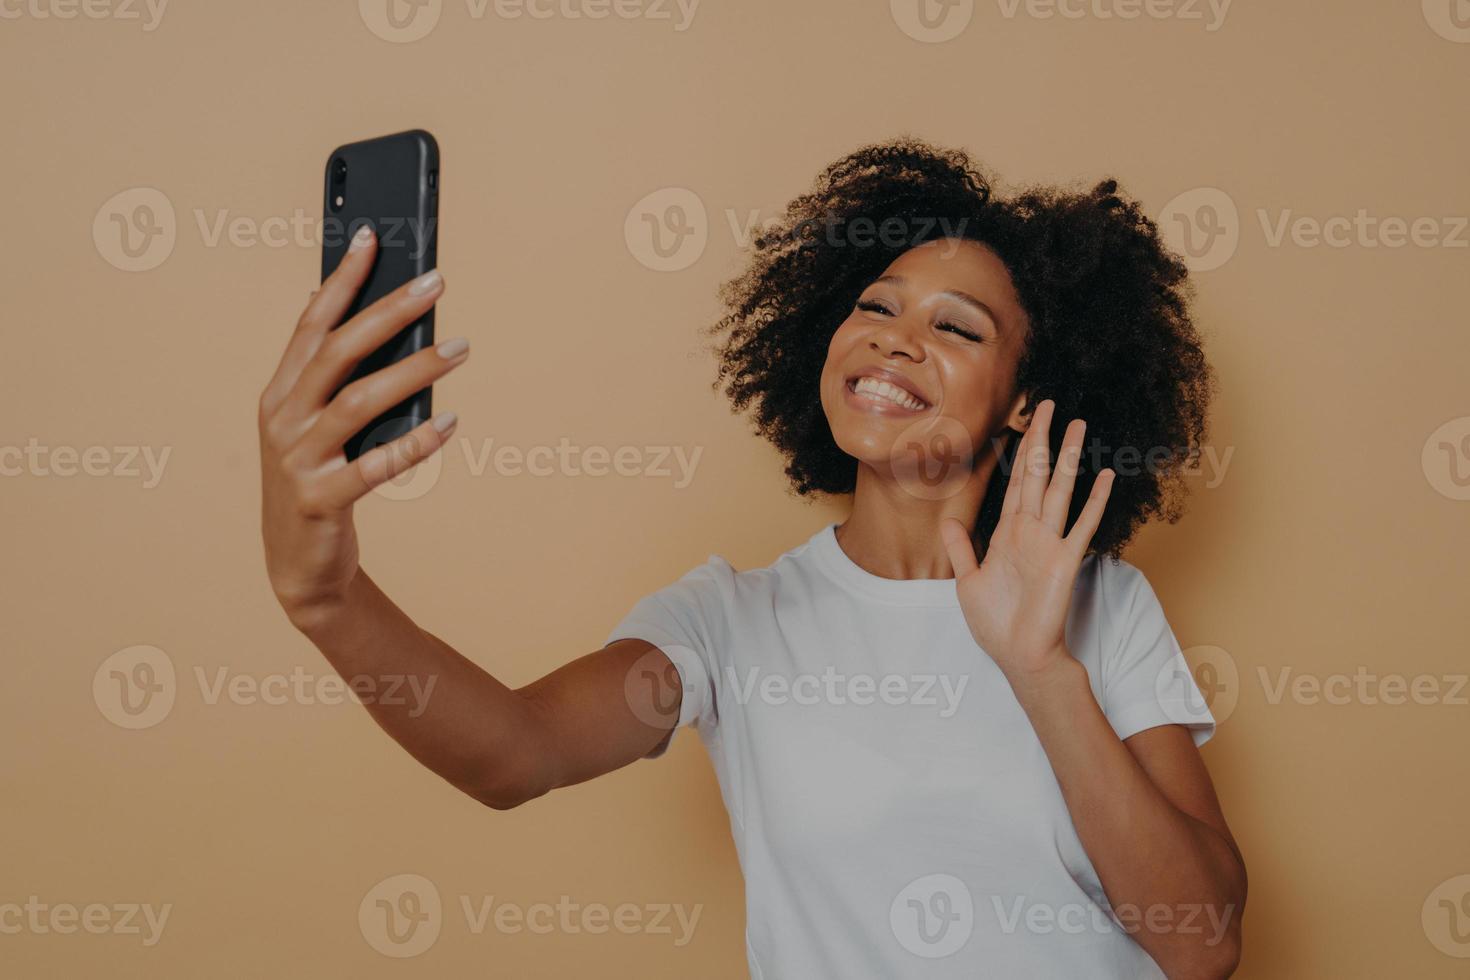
[1110, 336]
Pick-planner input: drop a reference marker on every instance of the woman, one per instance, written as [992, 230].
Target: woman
[955, 733]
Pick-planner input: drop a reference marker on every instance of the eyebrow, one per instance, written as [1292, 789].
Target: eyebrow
[958, 294]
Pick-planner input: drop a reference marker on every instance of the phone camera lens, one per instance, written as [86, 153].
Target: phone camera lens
[339, 169]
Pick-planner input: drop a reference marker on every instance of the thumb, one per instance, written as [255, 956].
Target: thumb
[957, 544]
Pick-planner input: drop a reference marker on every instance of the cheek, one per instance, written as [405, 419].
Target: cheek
[975, 391]
[968, 380]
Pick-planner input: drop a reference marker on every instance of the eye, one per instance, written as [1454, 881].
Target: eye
[873, 306]
[956, 328]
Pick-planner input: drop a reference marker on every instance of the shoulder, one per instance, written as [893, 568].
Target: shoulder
[1116, 610]
[712, 586]
[1113, 583]
[716, 586]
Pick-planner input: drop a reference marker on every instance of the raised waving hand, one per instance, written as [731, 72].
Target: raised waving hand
[1015, 601]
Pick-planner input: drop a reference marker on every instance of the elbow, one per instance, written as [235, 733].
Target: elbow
[1224, 959]
[511, 776]
[1217, 959]
[497, 800]
[505, 791]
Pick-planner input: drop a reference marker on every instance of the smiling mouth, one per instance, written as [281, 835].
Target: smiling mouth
[883, 393]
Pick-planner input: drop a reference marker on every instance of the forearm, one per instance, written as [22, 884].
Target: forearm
[444, 709]
[1176, 883]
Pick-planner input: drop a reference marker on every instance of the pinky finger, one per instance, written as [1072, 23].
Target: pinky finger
[1090, 518]
[374, 468]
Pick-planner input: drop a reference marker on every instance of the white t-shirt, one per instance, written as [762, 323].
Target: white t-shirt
[892, 807]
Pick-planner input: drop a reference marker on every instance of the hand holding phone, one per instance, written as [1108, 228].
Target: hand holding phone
[390, 184]
[322, 398]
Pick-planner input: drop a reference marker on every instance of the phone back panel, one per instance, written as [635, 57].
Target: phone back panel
[390, 182]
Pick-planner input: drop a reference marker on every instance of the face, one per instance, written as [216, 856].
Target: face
[926, 362]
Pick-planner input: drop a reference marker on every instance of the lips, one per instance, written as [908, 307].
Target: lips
[892, 377]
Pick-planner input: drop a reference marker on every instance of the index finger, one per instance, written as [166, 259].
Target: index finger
[324, 311]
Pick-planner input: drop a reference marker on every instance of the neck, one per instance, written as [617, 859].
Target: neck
[893, 531]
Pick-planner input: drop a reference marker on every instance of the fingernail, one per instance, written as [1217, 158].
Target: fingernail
[362, 237]
[445, 421]
[451, 349]
[427, 282]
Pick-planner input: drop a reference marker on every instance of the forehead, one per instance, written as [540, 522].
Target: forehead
[956, 263]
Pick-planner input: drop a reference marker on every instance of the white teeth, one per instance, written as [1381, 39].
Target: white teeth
[895, 394]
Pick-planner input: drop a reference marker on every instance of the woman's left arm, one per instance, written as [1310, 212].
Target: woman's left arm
[1145, 809]
[1147, 815]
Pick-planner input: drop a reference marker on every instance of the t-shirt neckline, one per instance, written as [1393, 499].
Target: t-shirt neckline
[897, 591]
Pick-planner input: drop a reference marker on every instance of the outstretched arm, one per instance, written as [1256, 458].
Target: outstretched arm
[499, 745]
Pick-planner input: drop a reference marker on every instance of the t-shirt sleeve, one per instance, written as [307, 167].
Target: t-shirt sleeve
[686, 620]
[1146, 680]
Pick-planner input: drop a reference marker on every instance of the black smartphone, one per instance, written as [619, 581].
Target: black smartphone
[392, 184]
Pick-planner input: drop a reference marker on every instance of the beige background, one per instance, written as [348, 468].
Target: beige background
[1334, 542]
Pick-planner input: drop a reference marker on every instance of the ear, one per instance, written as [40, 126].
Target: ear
[1019, 419]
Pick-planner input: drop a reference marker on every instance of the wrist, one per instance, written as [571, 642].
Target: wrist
[1057, 673]
[320, 614]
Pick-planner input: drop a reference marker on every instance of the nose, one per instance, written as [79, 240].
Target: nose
[899, 336]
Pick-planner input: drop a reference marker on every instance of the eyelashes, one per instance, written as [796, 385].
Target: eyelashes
[873, 306]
